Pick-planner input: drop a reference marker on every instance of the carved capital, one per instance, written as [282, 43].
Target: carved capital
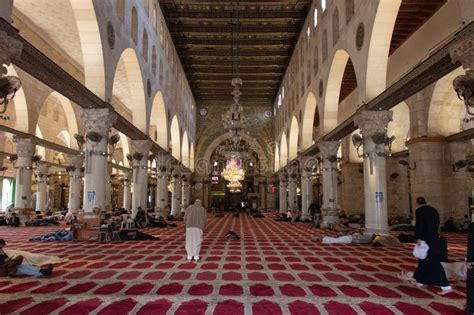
[373, 122]
[98, 120]
[306, 174]
[10, 49]
[77, 161]
[25, 147]
[141, 146]
[42, 169]
[463, 52]
[328, 149]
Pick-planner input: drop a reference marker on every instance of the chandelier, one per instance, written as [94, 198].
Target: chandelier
[235, 186]
[233, 172]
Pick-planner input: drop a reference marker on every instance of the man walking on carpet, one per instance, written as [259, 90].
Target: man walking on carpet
[430, 271]
[195, 218]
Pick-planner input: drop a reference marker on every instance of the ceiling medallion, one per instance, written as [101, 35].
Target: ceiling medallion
[203, 112]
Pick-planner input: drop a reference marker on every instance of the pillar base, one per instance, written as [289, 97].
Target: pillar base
[329, 217]
[379, 231]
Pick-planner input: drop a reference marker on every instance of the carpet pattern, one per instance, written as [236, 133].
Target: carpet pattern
[274, 269]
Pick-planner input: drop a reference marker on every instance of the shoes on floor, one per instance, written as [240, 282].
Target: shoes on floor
[189, 258]
[196, 258]
[47, 271]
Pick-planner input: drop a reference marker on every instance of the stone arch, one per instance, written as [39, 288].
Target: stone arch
[120, 7]
[185, 149]
[128, 87]
[39, 149]
[308, 121]
[123, 143]
[399, 126]
[134, 25]
[145, 45]
[283, 150]
[333, 89]
[445, 110]
[277, 159]
[175, 138]
[379, 47]
[293, 139]
[65, 136]
[20, 106]
[158, 122]
[91, 44]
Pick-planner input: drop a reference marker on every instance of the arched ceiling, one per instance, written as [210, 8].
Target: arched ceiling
[202, 34]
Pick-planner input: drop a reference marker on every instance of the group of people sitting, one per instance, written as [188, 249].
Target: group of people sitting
[451, 226]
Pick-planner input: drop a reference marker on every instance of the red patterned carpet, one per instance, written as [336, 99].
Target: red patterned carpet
[275, 269]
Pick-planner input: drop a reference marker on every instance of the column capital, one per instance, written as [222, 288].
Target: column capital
[77, 160]
[328, 149]
[282, 176]
[10, 49]
[463, 52]
[373, 122]
[25, 147]
[141, 146]
[42, 169]
[306, 173]
[99, 120]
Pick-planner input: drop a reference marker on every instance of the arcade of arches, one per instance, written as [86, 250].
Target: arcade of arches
[355, 106]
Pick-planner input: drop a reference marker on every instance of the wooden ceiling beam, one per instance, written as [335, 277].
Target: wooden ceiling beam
[228, 42]
[254, 29]
[222, 14]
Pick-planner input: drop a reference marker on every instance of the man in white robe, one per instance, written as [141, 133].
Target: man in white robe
[196, 220]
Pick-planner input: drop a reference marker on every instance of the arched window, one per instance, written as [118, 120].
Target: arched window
[145, 45]
[120, 9]
[325, 45]
[335, 27]
[134, 25]
[349, 10]
[315, 17]
[323, 5]
[153, 60]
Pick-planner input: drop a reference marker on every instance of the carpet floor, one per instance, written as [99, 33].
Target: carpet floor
[274, 269]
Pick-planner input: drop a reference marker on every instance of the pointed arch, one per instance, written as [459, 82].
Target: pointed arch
[158, 121]
[20, 105]
[123, 143]
[191, 157]
[128, 87]
[185, 150]
[283, 150]
[175, 138]
[308, 121]
[379, 47]
[293, 140]
[91, 44]
[333, 89]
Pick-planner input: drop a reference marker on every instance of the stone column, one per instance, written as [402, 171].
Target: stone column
[140, 149]
[75, 182]
[162, 177]
[185, 193]
[127, 193]
[373, 126]
[175, 201]
[292, 185]
[330, 204]
[283, 194]
[25, 150]
[42, 184]
[98, 123]
[108, 186]
[306, 192]
[263, 194]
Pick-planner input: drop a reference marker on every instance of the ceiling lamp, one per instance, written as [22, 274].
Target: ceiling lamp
[233, 172]
[234, 186]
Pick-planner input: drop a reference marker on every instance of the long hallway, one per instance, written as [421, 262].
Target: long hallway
[276, 268]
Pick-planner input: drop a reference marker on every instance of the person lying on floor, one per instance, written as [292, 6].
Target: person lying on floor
[13, 266]
[232, 235]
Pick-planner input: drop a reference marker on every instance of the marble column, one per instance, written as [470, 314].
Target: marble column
[75, 183]
[185, 193]
[97, 123]
[162, 177]
[373, 126]
[292, 191]
[306, 192]
[42, 186]
[328, 151]
[25, 150]
[140, 149]
[127, 191]
[283, 193]
[175, 200]
[108, 187]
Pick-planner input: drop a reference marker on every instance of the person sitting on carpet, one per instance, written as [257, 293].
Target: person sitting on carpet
[13, 266]
[140, 218]
[232, 235]
[449, 226]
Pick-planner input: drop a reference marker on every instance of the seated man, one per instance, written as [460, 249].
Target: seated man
[14, 266]
[140, 219]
